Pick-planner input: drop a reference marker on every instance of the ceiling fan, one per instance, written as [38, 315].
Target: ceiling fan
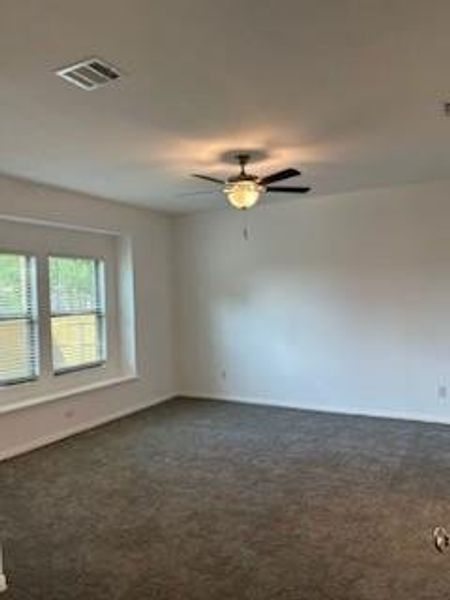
[243, 190]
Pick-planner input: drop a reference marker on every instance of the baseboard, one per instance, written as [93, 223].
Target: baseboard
[86, 426]
[285, 403]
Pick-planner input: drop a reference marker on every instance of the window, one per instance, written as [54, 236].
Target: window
[66, 311]
[77, 313]
[18, 321]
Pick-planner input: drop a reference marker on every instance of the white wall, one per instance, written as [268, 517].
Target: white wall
[339, 303]
[150, 238]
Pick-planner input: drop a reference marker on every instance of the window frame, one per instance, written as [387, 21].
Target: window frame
[31, 318]
[41, 239]
[101, 313]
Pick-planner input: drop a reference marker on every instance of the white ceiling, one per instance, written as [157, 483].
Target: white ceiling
[349, 91]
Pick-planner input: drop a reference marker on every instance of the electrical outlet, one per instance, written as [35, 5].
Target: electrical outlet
[3, 581]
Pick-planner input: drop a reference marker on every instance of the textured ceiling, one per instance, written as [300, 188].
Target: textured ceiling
[348, 91]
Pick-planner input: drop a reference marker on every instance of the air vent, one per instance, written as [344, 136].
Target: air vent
[89, 74]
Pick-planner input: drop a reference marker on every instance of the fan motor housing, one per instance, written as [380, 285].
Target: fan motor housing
[243, 177]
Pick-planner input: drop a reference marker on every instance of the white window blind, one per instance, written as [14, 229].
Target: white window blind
[18, 321]
[77, 306]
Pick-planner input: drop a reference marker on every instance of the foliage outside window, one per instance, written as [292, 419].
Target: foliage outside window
[77, 313]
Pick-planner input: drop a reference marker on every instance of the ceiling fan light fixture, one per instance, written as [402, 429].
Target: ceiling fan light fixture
[244, 190]
[243, 194]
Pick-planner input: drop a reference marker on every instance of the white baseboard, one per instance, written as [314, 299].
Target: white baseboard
[285, 403]
[59, 435]
[85, 426]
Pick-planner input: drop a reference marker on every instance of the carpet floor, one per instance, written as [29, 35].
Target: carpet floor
[205, 500]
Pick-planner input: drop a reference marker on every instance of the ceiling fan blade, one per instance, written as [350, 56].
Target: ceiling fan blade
[207, 178]
[279, 176]
[289, 190]
[199, 193]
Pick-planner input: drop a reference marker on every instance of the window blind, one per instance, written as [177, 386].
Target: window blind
[77, 312]
[18, 321]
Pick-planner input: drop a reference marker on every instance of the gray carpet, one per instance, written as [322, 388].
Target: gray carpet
[199, 500]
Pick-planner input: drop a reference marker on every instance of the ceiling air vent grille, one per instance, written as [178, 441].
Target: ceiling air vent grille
[89, 74]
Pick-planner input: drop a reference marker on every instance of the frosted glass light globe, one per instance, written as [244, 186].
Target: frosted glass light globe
[243, 194]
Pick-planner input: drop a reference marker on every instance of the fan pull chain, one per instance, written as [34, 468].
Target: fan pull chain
[245, 230]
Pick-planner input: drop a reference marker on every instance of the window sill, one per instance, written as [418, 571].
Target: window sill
[75, 391]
